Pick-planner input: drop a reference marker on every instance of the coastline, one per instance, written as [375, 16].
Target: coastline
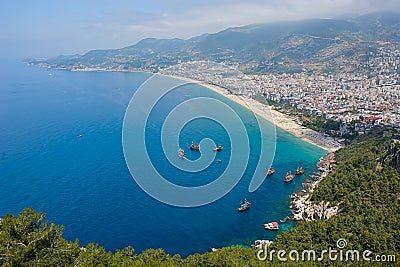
[301, 206]
[258, 108]
[279, 119]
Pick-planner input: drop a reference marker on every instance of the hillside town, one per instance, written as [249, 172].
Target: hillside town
[358, 101]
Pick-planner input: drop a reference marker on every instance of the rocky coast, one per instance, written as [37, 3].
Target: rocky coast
[302, 207]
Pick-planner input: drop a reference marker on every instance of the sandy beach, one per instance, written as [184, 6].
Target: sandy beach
[281, 120]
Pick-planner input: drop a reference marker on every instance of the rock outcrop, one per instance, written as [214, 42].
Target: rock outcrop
[302, 208]
[320, 211]
[393, 156]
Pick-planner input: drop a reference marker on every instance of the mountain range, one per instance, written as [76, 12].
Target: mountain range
[323, 45]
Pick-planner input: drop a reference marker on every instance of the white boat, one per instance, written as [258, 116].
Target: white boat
[181, 153]
[271, 226]
[218, 148]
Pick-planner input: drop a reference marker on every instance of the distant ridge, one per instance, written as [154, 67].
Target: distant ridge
[322, 45]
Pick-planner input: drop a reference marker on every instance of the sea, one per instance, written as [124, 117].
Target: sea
[61, 152]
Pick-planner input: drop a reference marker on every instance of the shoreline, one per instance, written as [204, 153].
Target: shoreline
[301, 207]
[279, 119]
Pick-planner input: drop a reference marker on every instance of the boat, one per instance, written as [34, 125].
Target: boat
[288, 177]
[271, 226]
[218, 148]
[80, 136]
[270, 171]
[181, 153]
[194, 146]
[244, 205]
[220, 160]
[299, 170]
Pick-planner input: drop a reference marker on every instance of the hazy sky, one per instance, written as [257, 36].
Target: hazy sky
[47, 28]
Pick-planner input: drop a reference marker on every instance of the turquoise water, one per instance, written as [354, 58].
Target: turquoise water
[84, 183]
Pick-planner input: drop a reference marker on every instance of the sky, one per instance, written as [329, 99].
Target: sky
[43, 28]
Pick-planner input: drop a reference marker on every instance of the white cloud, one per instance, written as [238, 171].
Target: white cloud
[71, 28]
[185, 21]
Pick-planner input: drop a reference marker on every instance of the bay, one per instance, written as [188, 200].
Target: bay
[84, 183]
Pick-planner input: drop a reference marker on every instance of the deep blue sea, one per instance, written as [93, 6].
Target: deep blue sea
[84, 183]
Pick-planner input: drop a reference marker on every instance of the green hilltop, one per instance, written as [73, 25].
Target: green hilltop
[314, 45]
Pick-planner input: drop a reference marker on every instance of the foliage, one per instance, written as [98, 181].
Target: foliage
[367, 193]
[27, 240]
[320, 124]
[366, 190]
[309, 120]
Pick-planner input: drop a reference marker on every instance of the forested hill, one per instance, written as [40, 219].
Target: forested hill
[321, 45]
[364, 185]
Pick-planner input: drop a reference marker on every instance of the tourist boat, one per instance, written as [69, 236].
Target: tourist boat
[218, 148]
[244, 205]
[271, 226]
[181, 153]
[299, 170]
[194, 146]
[270, 171]
[288, 177]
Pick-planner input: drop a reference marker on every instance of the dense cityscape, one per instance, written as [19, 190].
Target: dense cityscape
[200, 133]
[359, 101]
